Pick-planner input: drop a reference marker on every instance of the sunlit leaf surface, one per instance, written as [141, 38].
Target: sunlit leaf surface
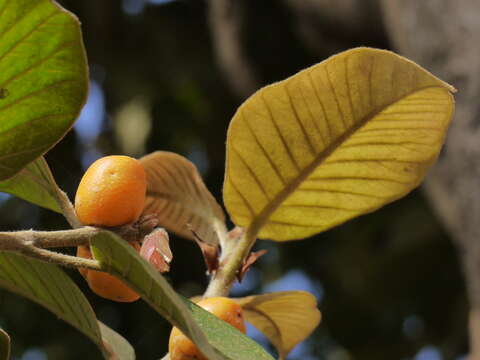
[216, 339]
[50, 287]
[43, 79]
[337, 140]
[34, 183]
[177, 194]
[286, 317]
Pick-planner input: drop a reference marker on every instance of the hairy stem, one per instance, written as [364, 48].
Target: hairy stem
[61, 259]
[33, 243]
[67, 209]
[62, 199]
[47, 239]
[231, 262]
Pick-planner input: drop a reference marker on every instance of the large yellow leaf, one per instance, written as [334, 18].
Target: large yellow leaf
[285, 317]
[180, 199]
[335, 141]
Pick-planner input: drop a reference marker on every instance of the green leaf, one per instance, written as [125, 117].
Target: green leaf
[335, 141]
[4, 345]
[34, 183]
[285, 317]
[50, 287]
[43, 79]
[116, 344]
[203, 328]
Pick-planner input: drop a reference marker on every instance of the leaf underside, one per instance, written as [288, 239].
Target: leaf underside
[120, 347]
[34, 183]
[43, 79]
[50, 287]
[335, 141]
[285, 317]
[179, 198]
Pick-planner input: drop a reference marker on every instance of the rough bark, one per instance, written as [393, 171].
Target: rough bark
[443, 36]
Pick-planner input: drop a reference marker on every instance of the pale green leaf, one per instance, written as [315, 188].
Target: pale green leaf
[116, 344]
[50, 287]
[34, 183]
[43, 79]
[179, 198]
[285, 317]
[335, 141]
[4, 345]
[216, 339]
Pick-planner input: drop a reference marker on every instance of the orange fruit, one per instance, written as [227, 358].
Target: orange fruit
[104, 284]
[182, 348]
[112, 192]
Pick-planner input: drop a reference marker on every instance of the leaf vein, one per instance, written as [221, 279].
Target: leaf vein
[346, 192]
[27, 35]
[62, 46]
[15, 23]
[312, 118]
[39, 91]
[349, 90]
[280, 135]
[299, 122]
[245, 201]
[252, 173]
[264, 151]
[335, 97]
[345, 177]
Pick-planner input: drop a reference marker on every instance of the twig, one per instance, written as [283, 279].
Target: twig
[231, 262]
[32, 243]
[63, 201]
[47, 239]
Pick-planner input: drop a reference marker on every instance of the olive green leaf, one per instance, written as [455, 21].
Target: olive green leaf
[4, 345]
[43, 79]
[50, 287]
[216, 339]
[334, 141]
[285, 317]
[177, 195]
[34, 183]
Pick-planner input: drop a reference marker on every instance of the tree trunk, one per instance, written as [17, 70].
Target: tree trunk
[443, 36]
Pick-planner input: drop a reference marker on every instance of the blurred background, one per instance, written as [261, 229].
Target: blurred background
[169, 75]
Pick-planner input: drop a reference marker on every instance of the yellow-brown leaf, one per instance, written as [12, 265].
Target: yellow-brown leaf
[335, 141]
[286, 317]
[177, 194]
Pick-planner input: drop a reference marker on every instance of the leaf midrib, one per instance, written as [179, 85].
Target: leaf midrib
[261, 218]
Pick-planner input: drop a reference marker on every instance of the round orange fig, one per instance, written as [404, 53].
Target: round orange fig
[112, 192]
[104, 284]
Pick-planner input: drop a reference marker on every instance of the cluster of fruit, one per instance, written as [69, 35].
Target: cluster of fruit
[112, 193]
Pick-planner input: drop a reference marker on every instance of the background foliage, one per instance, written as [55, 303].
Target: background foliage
[388, 283]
